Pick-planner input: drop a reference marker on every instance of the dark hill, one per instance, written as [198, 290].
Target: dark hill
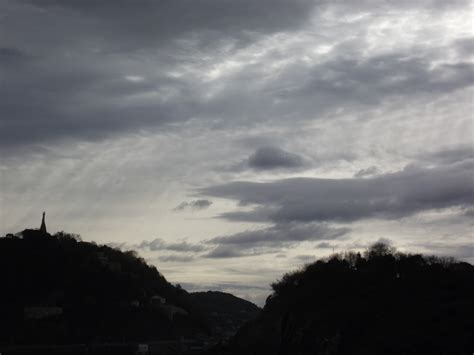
[380, 303]
[224, 312]
[58, 289]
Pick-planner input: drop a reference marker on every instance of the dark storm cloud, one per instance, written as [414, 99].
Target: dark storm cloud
[74, 86]
[164, 18]
[102, 68]
[193, 205]
[271, 239]
[139, 23]
[73, 82]
[49, 101]
[269, 158]
[392, 195]
[160, 244]
[9, 56]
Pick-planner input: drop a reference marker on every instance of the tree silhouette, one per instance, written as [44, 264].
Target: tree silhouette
[383, 302]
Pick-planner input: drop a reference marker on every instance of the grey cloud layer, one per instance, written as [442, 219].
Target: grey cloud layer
[368, 82]
[392, 195]
[248, 243]
[160, 244]
[289, 232]
[67, 100]
[117, 67]
[145, 22]
[449, 156]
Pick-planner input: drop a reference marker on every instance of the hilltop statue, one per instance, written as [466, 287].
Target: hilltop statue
[43, 224]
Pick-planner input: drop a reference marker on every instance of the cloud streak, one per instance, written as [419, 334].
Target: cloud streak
[255, 242]
[193, 205]
[391, 195]
[160, 244]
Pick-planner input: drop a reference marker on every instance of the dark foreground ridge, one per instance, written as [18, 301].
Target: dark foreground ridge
[382, 302]
[60, 295]
[67, 296]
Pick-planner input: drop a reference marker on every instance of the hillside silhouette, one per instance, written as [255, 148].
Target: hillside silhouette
[224, 312]
[381, 302]
[57, 289]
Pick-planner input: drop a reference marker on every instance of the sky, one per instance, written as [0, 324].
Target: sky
[231, 141]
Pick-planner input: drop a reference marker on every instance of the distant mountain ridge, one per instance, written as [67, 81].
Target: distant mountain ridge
[225, 312]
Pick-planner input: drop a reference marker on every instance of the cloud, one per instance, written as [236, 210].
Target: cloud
[132, 102]
[373, 170]
[148, 22]
[391, 195]
[247, 243]
[160, 244]
[465, 46]
[326, 245]
[271, 239]
[176, 258]
[269, 158]
[116, 245]
[305, 258]
[222, 63]
[193, 205]
[369, 81]
[469, 213]
[224, 251]
[11, 56]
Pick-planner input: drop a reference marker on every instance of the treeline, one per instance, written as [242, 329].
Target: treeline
[378, 302]
[59, 289]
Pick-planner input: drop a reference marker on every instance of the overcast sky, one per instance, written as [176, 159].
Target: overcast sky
[230, 141]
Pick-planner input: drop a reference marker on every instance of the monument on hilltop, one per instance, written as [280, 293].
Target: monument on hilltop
[43, 224]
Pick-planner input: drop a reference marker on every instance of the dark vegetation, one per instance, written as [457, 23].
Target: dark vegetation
[382, 302]
[57, 289]
[225, 312]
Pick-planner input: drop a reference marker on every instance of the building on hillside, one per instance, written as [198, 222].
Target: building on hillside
[157, 300]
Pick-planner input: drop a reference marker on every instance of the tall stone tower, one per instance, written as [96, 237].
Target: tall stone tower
[43, 224]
